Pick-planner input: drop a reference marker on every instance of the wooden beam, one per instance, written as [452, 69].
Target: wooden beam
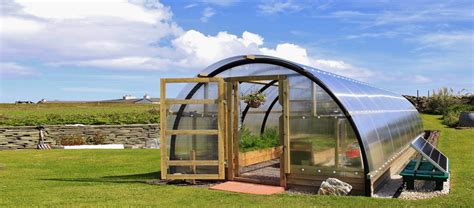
[229, 131]
[314, 90]
[235, 128]
[191, 132]
[284, 85]
[255, 78]
[193, 176]
[193, 101]
[191, 80]
[193, 162]
[163, 148]
[221, 128]
[261, 83]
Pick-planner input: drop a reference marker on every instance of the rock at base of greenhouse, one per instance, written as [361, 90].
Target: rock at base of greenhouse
[334, 186]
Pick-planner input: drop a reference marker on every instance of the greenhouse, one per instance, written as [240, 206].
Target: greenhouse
[267, 120]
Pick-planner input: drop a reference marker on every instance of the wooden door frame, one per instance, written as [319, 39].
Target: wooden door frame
[220, 132]
[232, 118]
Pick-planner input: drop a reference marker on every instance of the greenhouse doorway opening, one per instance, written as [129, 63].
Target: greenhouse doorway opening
[255, 142]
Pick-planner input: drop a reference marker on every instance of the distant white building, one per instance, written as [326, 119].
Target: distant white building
[128, 97]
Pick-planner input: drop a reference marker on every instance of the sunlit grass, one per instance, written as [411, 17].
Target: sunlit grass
[117, 178]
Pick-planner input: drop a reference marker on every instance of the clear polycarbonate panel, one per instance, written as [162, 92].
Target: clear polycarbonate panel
[322, 141]
[385, 121]
[193, 116]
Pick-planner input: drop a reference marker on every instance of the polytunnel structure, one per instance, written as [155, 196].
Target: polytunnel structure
[310, 125]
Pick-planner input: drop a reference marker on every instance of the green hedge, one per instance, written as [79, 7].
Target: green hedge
[451, 115]
[79, 113]
[249, 141]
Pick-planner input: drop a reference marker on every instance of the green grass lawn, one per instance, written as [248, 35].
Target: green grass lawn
[117, 178]
[73, 113]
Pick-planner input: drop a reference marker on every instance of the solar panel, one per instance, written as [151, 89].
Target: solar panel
[430, 153]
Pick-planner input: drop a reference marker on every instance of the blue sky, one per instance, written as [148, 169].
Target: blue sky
[93, 50]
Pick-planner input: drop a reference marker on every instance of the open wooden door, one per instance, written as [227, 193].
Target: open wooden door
[188, 151]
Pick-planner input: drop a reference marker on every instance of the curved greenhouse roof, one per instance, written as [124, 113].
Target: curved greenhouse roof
[382, 123]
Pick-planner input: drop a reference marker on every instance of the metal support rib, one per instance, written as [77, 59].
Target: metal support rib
[264, 122]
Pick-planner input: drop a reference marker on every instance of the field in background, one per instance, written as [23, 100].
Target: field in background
[77, 113]
[118, 178]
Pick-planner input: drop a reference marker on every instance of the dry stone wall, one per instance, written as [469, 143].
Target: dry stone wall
[132, 136]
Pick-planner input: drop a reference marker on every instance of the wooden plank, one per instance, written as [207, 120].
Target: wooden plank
[193, 101]
[314, 90]
[221, 128]
[229, 124]
[193, 163]
[191, 132]
[235, 128]
[258, 156]
[261, 83]
[206, 96]
[286, 125]
[191, 80]
[193, 159]
[193, 176]
[163, 148]
[255, 78]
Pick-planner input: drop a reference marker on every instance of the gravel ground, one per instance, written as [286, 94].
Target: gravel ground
[423, 189]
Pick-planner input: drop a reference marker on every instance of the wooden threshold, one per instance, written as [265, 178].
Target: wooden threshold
[193, 162]
[193, 176]
[251, 180]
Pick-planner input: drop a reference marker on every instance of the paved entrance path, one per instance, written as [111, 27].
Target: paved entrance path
[248, 188]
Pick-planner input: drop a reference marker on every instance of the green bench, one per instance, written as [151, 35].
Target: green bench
[425, 171]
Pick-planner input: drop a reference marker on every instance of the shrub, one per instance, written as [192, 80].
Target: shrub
[451, 115]
[442, 99]
[98, 138]
[72, 140]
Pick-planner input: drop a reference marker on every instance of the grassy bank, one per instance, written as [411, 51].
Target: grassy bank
[77, 113]
[117, 178]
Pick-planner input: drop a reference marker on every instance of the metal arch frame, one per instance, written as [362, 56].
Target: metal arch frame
[267, 113]
[291, 66]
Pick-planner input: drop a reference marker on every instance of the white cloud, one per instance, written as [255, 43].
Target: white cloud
[278, 7]
[415, 12]
[195, 50]
[18, 26]
[189, 6]
[459, 40]
[74, 9]
[347, 14]
[220, 2]
[289, 51]
[123, 63]
[126, 36]
[420, 79]
[206, 14]
[10, 69]
[58, 31]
